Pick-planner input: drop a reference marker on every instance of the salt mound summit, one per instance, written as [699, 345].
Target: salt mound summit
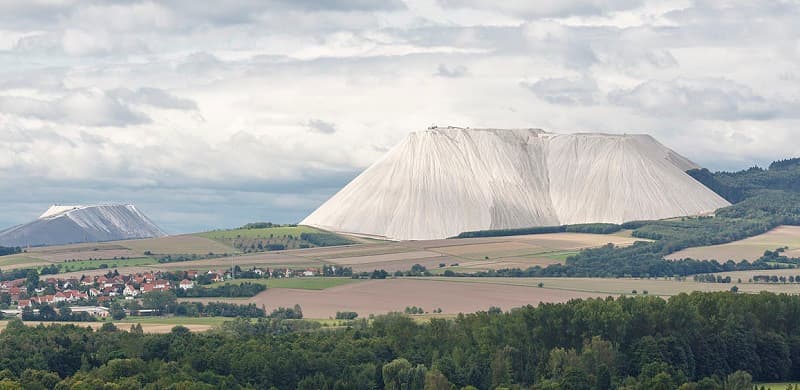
[75, 224]
[443, 181]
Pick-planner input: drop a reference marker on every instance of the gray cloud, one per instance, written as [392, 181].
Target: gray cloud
[534, 9]
[201, 63]
[454, 71]
[320, 126]
[154, 97]
[80, 107]
[706, 98]
[562, 90]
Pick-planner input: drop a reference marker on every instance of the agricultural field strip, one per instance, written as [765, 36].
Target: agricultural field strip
[78, 247]
[660, 287]
[664, 288]
[563, 244]
[521, 255]
[363, 251]
[522, 282]
[749, 248]
[185, 244]
[315, 284]
[382, 296]
[386, 258]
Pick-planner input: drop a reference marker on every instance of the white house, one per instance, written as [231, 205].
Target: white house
[130, 291]
[95, 311]
[186, 284]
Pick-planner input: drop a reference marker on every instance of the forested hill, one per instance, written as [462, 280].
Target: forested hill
[783, 175]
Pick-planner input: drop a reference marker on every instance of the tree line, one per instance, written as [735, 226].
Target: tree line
[9, 250]
[228, 290]
[691, 341]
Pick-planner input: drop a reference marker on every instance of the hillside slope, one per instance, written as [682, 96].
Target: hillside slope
[440, 182]
[76, 224]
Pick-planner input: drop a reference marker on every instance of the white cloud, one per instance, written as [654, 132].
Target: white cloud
[192, 110]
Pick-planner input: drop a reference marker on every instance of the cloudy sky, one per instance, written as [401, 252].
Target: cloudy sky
[214, 116]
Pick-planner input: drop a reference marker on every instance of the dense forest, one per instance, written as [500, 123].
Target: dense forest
[783, 175]
[695, 341]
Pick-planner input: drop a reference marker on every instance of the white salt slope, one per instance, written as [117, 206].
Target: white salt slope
[441, 182]
[74, 224]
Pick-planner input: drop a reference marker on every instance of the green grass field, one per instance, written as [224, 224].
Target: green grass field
[18, 259]
[212, 321]
[306, 283]
[276, 232]
[95, 264]
[558, 255]
[775, 386]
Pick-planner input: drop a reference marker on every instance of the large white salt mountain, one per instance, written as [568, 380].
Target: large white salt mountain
[443, 181]
[76, 224]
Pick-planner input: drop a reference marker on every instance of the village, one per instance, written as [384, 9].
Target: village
[93, 294]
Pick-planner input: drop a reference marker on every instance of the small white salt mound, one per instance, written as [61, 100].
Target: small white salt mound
[62, 224]
[441, 182]
[55, 210]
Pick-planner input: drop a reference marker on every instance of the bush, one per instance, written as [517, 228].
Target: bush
[287, 313]
[346, 315]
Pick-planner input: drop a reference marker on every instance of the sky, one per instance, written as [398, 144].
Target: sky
[237, 111]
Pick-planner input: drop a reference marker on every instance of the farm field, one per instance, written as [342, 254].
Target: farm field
[83, 265]
[747, 275]
[182, 245]
[264, 259]
[611, 286]
[83, 256]
[306, 283]
[456, 295]
[81, 252]
[382, 296]
[464, 255]
[468, 254]
[185, 321]
[273, 238]
[748, 249]
[225, 235]
[20, 260]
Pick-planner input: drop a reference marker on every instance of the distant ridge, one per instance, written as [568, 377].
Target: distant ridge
[68, 224]
[440, 182]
